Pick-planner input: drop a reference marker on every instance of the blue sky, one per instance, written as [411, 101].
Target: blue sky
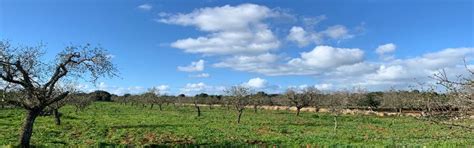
[266, 45]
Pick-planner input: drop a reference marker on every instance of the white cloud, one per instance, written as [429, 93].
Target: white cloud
[320, 59]
[163, 89]
[324, 57]
[116, 89]
[386, 48]
[401, 72]
[312, 21]
[299, 35]
[232, 30]
[145, 7]
[256, 83]
[196, 88]
[304, 37]
[201, 75]
[324, 86]
[338, 32]
[194, 66]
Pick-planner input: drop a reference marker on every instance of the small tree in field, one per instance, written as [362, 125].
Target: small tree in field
[22, 69]
[240, 97]
[79, 100]
[299, 99]
[199, 99]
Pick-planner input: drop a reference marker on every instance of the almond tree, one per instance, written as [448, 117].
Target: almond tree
[240, 97]
[459, 91]
[301, 99]
[198, 99]
[22, 69]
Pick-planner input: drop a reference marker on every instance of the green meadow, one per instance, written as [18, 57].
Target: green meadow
[113, 124]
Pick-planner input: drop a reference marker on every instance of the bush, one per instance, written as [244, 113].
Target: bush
[371, 100]
[100, 95]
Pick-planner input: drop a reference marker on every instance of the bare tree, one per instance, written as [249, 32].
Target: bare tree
[79, 100]
[198, 99]
[301, 99]
[22, 69]
[240, 97]
[459, 92]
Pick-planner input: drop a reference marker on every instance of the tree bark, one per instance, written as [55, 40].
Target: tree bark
[57, 117]
[151, 106]
[27, 129]
[159, 105]
[240, 115]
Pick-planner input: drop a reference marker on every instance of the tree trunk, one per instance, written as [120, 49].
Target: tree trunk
[159, 105]
[199, 111]
[151, 106]
[27, 129]
[240, 115]
[57, 117]
[255, 107]
[298, 111]
[335, 123]
[210, 106]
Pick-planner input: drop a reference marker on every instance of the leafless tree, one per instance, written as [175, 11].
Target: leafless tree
[240, 97]
[22, 69]
[459, 92]
[79, 100]
[301, 99]
[198, 99]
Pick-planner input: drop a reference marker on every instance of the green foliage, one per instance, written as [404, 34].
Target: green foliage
[100, 95]
[371, 100]
[110, 123]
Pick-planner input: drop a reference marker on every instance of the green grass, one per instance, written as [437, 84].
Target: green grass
[116, 124]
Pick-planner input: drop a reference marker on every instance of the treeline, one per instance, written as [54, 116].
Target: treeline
[428, 102]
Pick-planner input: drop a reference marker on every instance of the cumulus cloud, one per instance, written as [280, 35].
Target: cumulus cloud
[231, 30]
[163, 89]
[116, 89]
[194, 66]
[386, 48]
[256, 83]
[304, 37]
[338, 32]
[400, 72]
[324, 86]
[145, 7]
[320, 59]
[301, 37]
[324, 57]
[195, 88]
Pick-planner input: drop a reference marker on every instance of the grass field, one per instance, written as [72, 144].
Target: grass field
[116, 124]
